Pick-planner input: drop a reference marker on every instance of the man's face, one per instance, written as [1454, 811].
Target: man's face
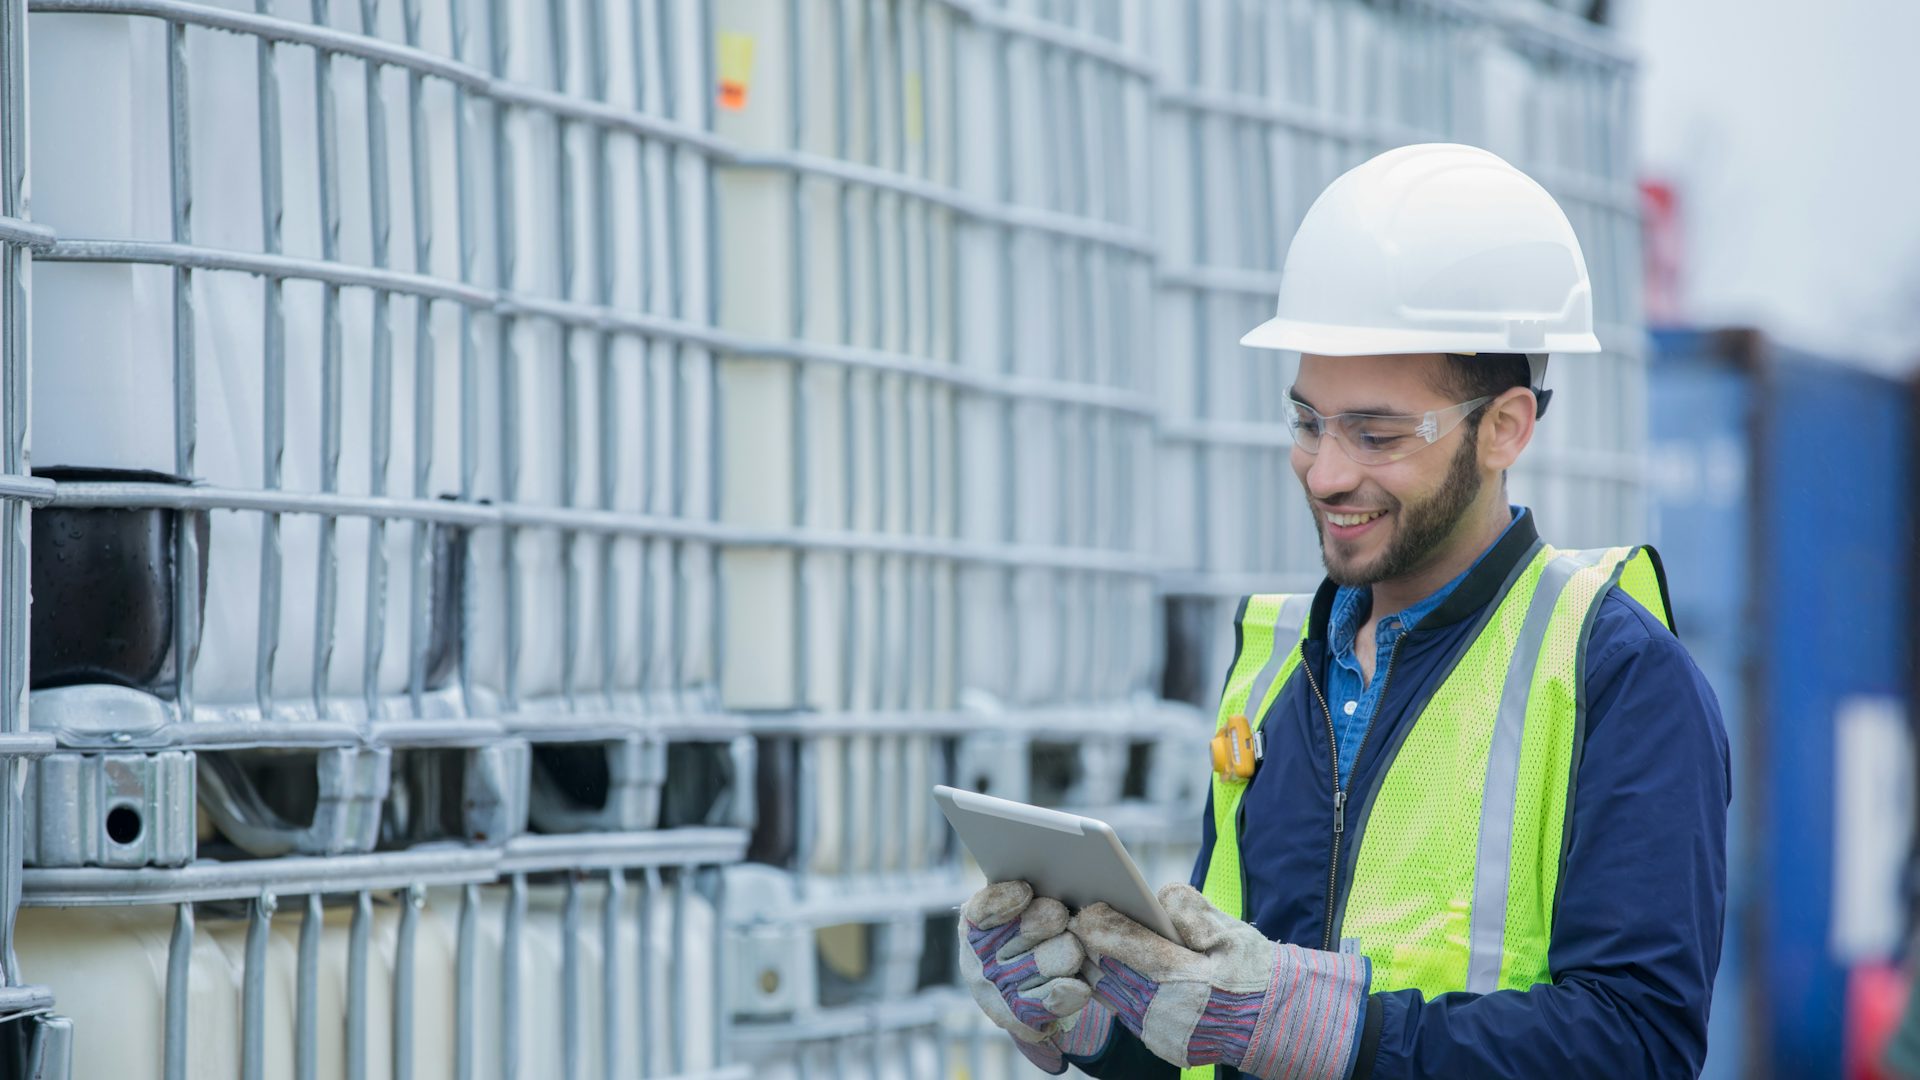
[1380, 522]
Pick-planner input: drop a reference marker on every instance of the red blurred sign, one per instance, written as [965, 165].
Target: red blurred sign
[1662, 253]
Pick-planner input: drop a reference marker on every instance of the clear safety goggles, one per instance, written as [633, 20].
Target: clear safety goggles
[1375, 440]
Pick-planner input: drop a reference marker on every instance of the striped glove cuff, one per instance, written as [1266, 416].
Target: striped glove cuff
[1305, 1027]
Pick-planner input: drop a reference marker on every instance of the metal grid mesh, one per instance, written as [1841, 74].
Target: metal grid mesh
[17, 490]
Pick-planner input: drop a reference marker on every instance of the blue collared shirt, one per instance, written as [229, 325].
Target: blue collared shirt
[1351, 696]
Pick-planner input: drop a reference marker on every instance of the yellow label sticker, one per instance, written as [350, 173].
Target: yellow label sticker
[735, 64]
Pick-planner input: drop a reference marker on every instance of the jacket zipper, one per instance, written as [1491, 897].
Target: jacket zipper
[1340, 791]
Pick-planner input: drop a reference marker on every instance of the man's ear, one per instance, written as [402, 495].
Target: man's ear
[1506, 427]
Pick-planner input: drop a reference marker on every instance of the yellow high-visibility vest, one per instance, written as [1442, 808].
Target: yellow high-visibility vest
[1453, 885]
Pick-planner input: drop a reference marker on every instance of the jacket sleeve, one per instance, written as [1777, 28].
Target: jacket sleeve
[1636, 935]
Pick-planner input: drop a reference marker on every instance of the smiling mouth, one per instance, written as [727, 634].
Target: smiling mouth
[1350, 520]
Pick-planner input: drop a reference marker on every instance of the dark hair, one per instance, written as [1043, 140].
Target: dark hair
[1486, 375]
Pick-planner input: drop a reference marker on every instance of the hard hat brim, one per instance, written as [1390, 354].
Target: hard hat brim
[1328, 340]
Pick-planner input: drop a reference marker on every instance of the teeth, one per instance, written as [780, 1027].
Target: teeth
[1353, 519]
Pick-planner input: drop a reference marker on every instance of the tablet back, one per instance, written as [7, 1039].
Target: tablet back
[1077, 860]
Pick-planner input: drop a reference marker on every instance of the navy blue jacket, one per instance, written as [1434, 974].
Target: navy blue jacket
[1642, 893]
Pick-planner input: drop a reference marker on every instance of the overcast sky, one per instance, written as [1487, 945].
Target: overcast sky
[1791, 131]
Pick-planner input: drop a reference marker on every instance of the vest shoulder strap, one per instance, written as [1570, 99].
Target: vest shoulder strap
[1644, 578]
[1267, 630]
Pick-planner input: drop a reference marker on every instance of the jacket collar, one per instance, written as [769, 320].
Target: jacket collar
[1483, 583]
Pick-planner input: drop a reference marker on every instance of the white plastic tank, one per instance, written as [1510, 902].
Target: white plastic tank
[107, 968]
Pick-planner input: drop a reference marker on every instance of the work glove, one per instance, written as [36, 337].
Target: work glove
[1024, 969]
[1224, 994]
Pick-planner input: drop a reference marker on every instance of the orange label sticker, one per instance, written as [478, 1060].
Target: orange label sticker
[735, 64]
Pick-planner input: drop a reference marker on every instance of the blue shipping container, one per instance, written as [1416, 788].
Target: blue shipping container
[1783, 484]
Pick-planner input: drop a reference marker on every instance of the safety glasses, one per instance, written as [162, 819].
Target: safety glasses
[1375, 440]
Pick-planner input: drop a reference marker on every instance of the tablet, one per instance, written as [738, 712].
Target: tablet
[1076, 860]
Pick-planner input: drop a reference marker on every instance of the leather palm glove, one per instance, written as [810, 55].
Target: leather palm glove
[1224, 994]
[1024, 969]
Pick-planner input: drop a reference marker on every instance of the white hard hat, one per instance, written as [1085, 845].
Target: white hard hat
[1440, 248]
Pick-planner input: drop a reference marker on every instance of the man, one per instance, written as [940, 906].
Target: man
[1468, 816]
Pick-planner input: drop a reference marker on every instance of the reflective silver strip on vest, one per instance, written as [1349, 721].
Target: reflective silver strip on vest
[1286, 631]
[1497, 798]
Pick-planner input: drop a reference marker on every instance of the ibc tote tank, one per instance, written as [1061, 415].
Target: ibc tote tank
[107, 968]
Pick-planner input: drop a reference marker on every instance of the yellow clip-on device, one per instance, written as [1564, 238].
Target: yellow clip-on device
[1233, 750]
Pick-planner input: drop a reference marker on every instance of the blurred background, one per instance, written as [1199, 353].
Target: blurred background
[509, 506]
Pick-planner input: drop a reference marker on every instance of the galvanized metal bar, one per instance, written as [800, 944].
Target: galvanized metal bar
[573, 1018]
[466, 1027]
[1008, 278]
[649, 887]
[31, 490]
[15, 516]
[1271, 518]
[954, 404]
[357, 989]
[921, 121]
[14, 772]
[511, 975]
[116, 495]
[463, 138]
[273, 416]
[936, 350]
[909, 638]
[611, 1017]
[506, 259]
[1204, 461]
[404, 963]
[425, 364]
[680, 971]
[843, 46]
[609, 419]
[571, 602]
[253, 989]
[876, 338]
[558, 42]
[672, 198]
[716, 404]
[923, 169]
[380, 214]
[191, 257]
[306, 1031]
[639, 18]
[1081, 361]
[851, 857]
[326, 588]
[241, 880]
[23, 233]
[179, 991]
[186, 559]
[806, 810]
[800, 456]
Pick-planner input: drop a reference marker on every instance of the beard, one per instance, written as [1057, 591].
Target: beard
[1419, 530]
